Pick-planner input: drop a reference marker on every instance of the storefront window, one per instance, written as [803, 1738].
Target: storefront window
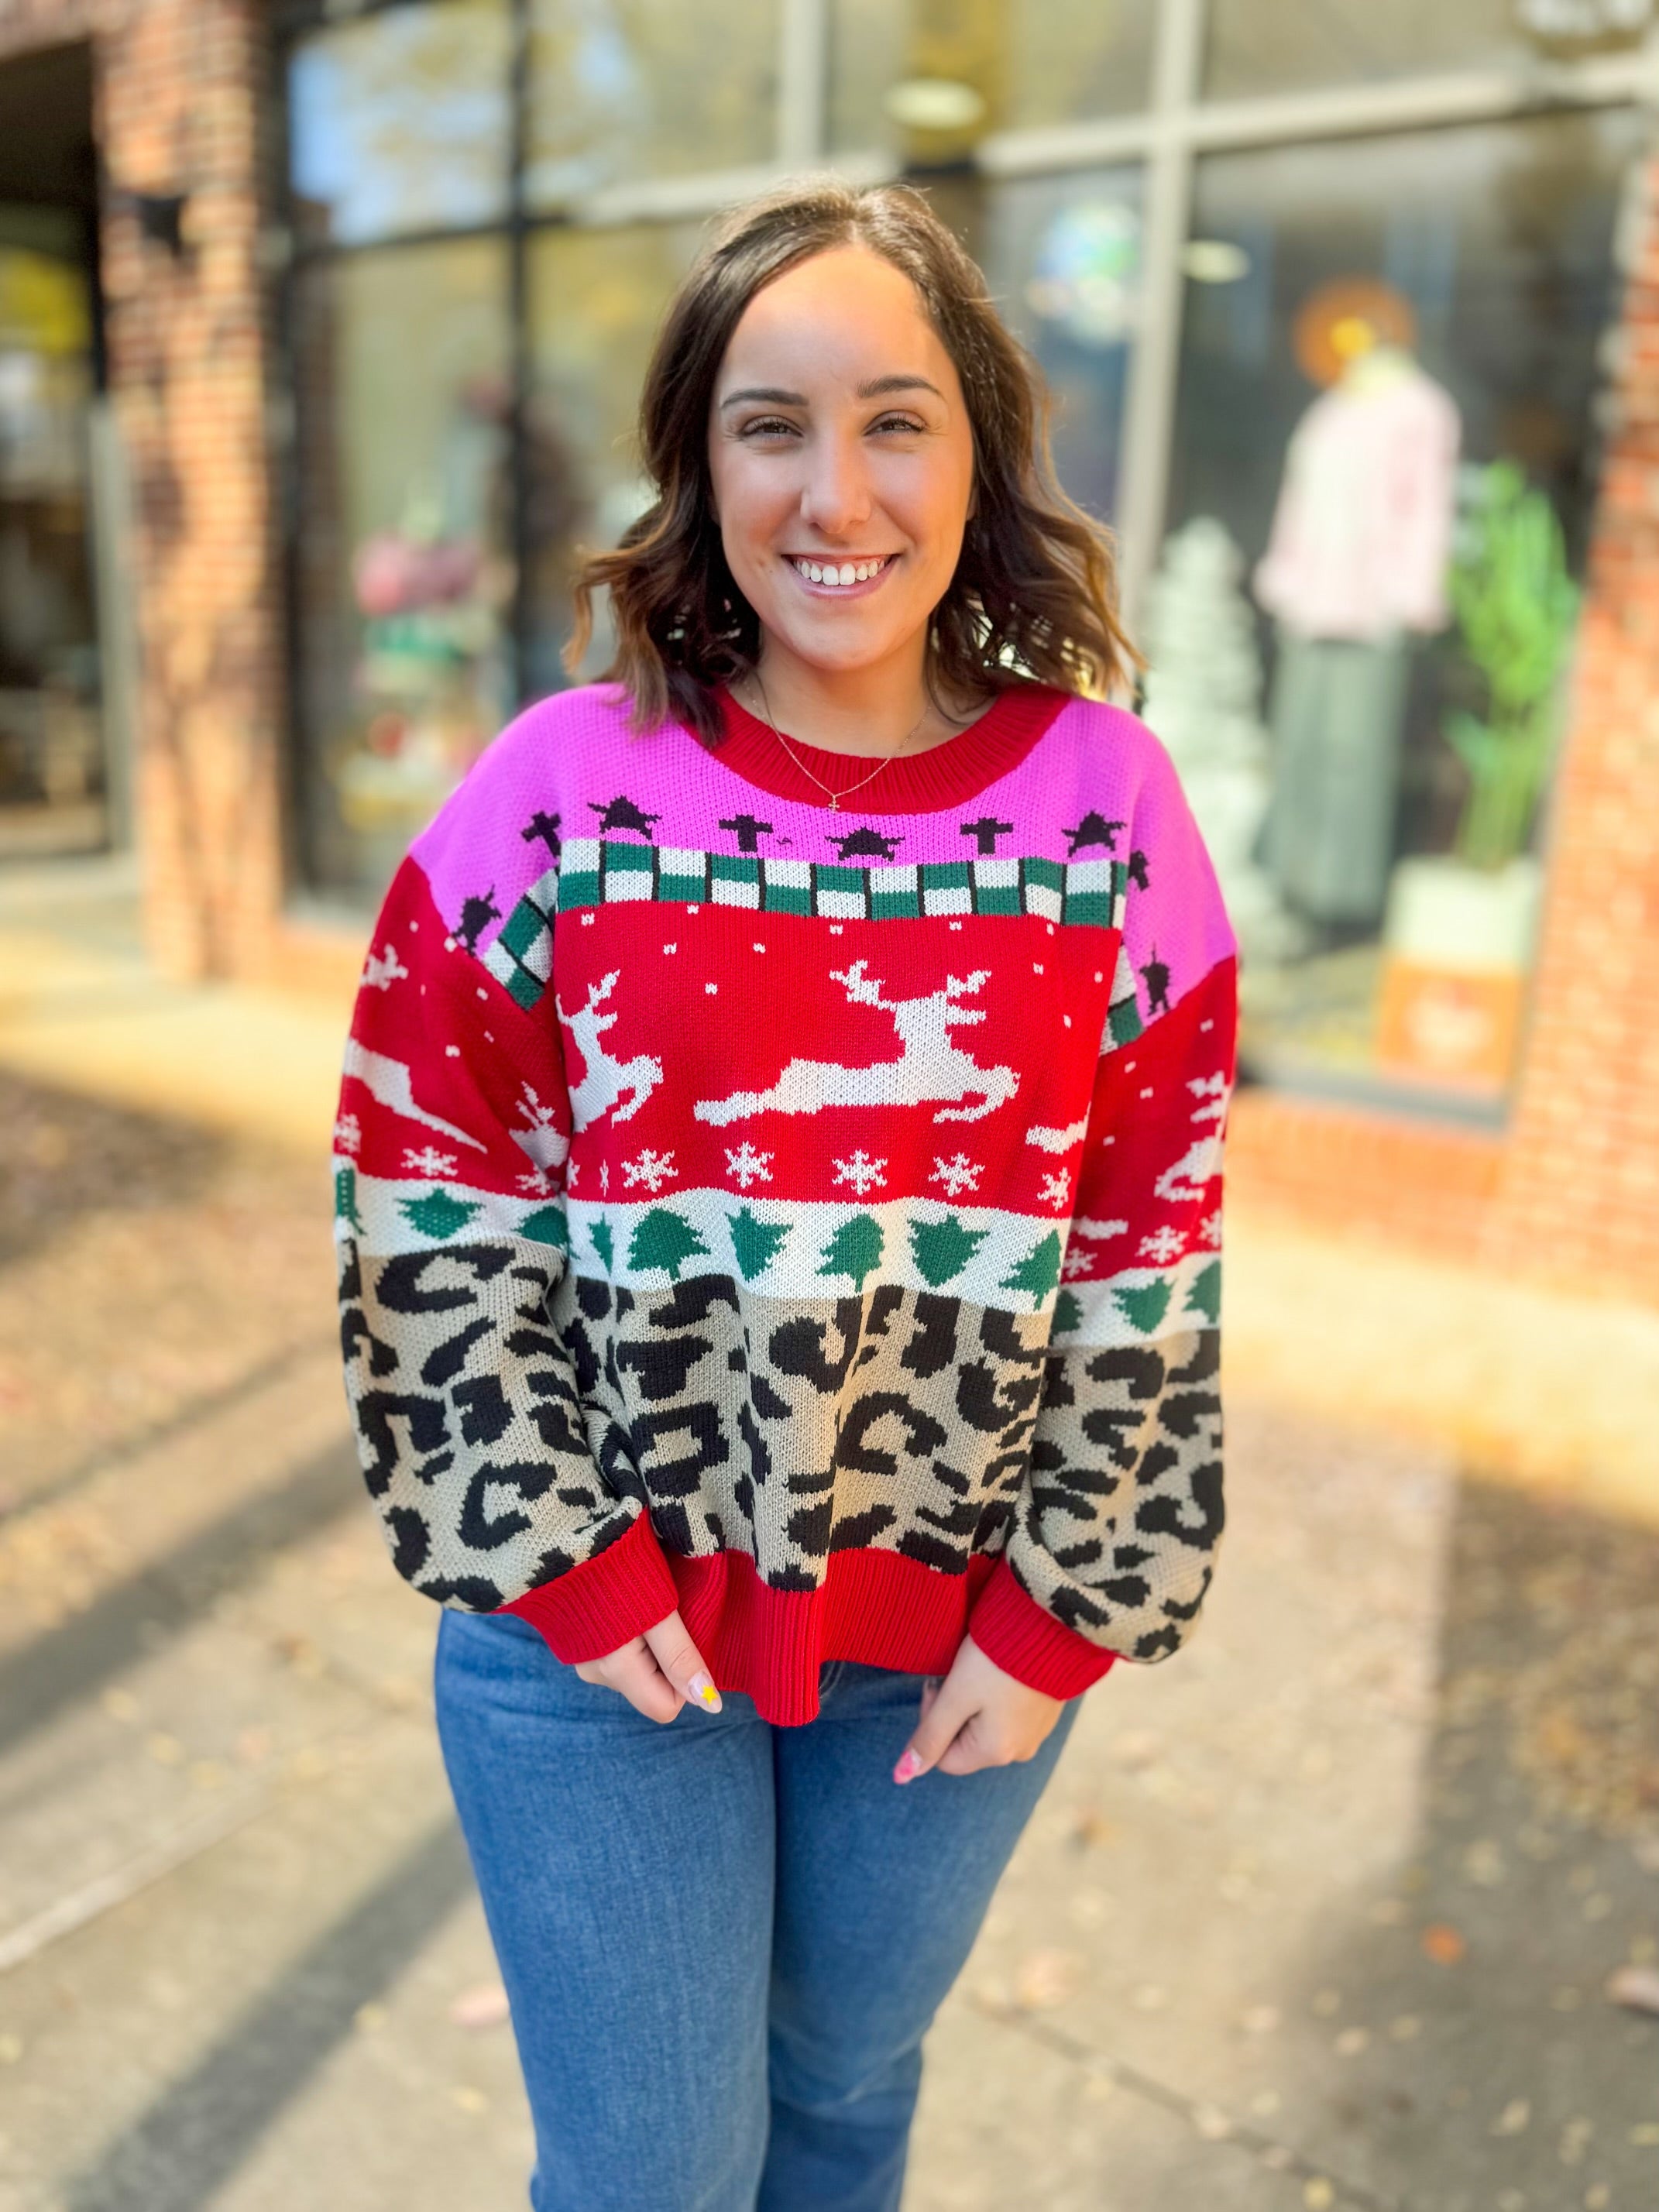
[1063, 257]
[52, 761]
[405, 578]
[1362, 622]
[1298, 45]
[597, 297]
[399, 122]
[627, 89]
[919, 75]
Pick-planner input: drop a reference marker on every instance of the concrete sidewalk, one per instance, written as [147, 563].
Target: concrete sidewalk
[1324, 1913]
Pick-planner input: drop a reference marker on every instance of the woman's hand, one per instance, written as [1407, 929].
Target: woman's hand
[657, 1672]
[976, 1716]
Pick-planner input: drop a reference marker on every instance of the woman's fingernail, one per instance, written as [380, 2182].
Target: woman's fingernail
[909, 1765]
[704, 1693]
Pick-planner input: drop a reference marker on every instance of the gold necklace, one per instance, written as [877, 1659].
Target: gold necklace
[836, 797]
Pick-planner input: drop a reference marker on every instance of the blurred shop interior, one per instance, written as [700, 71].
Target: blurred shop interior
[1325, 292]
[61, 754]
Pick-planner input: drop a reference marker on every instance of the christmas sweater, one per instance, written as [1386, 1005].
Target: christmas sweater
[805, 1216]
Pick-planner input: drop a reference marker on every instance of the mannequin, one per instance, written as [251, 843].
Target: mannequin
[1356, 563]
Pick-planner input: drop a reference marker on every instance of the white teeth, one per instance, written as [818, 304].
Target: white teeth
[839, 573]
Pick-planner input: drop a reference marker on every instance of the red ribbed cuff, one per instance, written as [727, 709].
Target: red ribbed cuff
[1013, 1631]
[592, 1610]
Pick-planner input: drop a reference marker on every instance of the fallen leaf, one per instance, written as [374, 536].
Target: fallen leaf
[1091, 1827]
[1318, 2195]
[369, 2017]
[1514, 2119]
[1046, 1978]
[1213, 2123]
[1351, 2042]
[1443, 1944]
[485, 2007]
[166, 1750]
[1635, 1987]
[469, 2098]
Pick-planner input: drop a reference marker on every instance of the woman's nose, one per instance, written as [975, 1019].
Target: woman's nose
[835, 496]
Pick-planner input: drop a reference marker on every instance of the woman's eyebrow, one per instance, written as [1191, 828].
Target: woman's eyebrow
[774, 395]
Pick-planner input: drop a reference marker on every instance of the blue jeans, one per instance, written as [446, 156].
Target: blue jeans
[723, 1942]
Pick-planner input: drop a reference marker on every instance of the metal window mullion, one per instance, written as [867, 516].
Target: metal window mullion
[803, 81]
[1149, 407]
[522, 368]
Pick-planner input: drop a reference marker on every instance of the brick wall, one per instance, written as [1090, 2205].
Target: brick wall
[180, 106]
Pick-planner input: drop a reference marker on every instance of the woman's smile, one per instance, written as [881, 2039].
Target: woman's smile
[848, 576]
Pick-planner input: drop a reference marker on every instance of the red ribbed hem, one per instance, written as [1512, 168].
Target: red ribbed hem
[919, 783]
[877, 1608]
[1030, 1645]
[597, 1607]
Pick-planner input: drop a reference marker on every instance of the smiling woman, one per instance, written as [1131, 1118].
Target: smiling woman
[832, 389]
[780, 1237]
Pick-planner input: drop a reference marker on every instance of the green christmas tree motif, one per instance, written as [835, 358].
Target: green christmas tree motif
[1038, 1271]
[345, 1197]
[602, 1244]
[1068, 1313]
[856, 1249]
[663, 1238]
[436, 1213]
[754, 1241]
[943, 1248]
[1204, 1293]
[547, 1225]
[1144, 1306]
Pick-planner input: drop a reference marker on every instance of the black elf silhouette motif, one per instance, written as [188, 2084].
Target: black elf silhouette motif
[986, 831]
[1155, 976]
[545, 826]
[620, 813]
[866, 844]
[477, 914]
[748, 831]
[1137, 875]
[1093, 829]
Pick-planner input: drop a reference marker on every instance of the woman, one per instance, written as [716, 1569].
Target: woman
[744, 1055]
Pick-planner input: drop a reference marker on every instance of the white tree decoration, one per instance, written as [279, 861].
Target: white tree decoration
[1204, 699]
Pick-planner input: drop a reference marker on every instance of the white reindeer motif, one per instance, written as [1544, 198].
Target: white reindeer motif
[1188, 1180]
[929, 1065]
[605, 1080]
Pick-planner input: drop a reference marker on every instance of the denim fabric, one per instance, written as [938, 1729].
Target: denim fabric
[722, 1942]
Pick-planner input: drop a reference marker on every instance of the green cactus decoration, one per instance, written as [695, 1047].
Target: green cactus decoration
[1516, 607]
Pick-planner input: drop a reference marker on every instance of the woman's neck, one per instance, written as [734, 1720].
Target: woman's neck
[884, 711]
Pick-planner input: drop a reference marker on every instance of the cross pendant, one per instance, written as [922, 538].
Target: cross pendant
[835, 802]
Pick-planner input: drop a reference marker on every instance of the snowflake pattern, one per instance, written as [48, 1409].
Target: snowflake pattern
[1055, 1188]
[748, 1165]
[1078, 1262]
[428, 1160]
[348, 1134]
[536, 1183]
[652, 1169]
[1209, 1230]
[1163, 1245]
[861, 1171]
[957, 1175]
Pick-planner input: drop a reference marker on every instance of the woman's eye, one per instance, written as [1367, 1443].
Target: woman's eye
[902, 422]
[766, 426]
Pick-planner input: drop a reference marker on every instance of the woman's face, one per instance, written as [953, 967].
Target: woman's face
[840, 447]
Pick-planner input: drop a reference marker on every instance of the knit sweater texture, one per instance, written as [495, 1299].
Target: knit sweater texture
[809, 1217]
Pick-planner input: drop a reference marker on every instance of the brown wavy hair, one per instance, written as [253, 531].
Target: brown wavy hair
[1033, 597]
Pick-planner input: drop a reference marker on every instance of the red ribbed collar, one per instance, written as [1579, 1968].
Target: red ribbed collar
[921, 783]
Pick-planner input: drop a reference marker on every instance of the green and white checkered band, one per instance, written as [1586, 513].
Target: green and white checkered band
[605, 872]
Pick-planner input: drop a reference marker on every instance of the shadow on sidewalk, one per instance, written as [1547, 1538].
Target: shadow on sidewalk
[176, 2156]
[65, 1156]
[70, 1662]
[1449, 2045]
